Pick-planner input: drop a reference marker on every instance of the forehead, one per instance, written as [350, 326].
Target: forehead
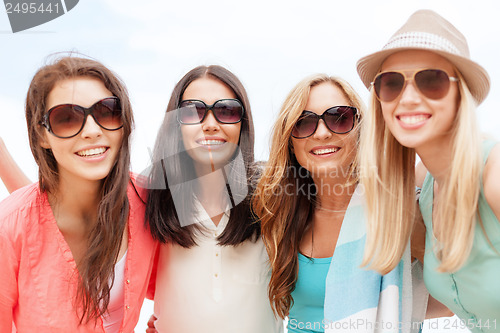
[208, 90]
[325, 95]
[416, 59]
[83, 91]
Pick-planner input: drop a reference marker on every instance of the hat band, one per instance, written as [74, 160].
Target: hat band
[422, 40]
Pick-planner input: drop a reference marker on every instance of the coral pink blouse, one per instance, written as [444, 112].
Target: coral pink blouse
[38, 275]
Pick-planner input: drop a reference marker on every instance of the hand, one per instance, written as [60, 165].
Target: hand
[151, 325]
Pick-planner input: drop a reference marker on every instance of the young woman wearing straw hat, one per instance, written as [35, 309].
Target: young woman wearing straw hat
[424, 91]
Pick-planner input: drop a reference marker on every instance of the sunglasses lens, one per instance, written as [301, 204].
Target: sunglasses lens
[228, 111]
[305, 126]
[433, 83]
[191, 112]
[388, 85]
[66, 120]
[108, 113]
[340, 119]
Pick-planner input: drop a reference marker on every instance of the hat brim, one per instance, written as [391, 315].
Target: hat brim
[475, 76]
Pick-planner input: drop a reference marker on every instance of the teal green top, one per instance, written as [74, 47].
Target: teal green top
[307, 312]
[472, 292]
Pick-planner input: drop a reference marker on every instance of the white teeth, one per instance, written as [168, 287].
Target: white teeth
[413, 119]
[211, 142]
[325, 151]
[92, 152]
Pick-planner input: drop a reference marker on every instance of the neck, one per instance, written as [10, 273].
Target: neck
[75, 203]
[437, 158]
[210, 186]
[333, 194]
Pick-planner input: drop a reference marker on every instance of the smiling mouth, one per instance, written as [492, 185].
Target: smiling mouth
[325, 151]
[92, 152]
[413, 119]
[211, 142]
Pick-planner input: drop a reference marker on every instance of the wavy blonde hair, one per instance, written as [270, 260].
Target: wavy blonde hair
[388, 176]
[284, 218]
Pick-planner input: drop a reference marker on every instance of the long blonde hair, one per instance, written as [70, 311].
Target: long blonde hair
[285, 216]
[388, 176]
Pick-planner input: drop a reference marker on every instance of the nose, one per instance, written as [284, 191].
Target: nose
[322, 132]
[210, 123]
[410, 94]
[91, 129]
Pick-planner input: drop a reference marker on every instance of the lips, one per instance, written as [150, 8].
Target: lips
[325, 151]
[216, 142]
[413, 119]
[92, 152]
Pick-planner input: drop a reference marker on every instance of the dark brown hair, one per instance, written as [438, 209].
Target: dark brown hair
[104, 238]
[160, 209]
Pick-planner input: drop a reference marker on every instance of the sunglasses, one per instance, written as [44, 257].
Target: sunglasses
[338, 119]
[432, 83]
[225, 111]
[67, 120]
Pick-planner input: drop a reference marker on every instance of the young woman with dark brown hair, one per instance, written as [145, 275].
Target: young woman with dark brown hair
[76, 256]
[213, 267]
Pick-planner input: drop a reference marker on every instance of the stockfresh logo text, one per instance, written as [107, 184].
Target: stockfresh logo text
[26, 14]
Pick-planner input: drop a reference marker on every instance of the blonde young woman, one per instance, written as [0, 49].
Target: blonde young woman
[312, 218]
[424, 90]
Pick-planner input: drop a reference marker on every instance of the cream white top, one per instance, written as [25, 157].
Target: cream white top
[214, 289]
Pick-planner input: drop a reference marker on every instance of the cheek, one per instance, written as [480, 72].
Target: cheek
[186, 134]
[387, 110]
[233, 132]
[298, 147]
[118, 136]
[352, 148]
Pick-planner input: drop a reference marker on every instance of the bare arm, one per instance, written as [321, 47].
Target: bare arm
[418, 233]
[436, 309]
[10, 173]
[491, 180]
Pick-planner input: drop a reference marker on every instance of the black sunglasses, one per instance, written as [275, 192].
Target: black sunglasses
[432, 83]
[225, 111]
[338, 119]
[67, 120]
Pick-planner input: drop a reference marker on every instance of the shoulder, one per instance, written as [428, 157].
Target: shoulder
[20, 200]
[491, 180]
[17, 211]
[136, 191]
[420, 173]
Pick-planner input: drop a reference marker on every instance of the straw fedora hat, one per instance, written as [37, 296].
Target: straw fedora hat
[427, 30]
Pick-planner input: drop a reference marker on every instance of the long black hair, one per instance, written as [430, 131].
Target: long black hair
[161, 212]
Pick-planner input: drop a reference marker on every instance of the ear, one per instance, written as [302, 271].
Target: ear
[44, 143]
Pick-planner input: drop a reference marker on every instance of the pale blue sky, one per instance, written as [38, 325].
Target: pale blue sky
[269, 45]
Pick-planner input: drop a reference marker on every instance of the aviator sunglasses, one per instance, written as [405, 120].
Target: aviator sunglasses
[432, 83]
[67, 120]
[338, 119]
[225, 111]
